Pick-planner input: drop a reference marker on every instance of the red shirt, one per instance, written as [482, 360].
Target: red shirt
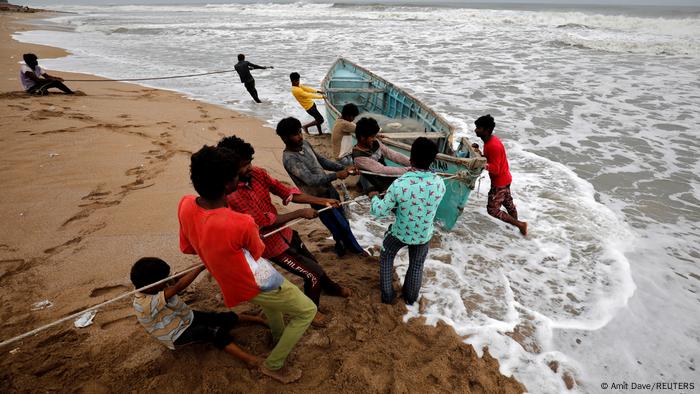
[254, 199]
[218, 237]
[495, 154]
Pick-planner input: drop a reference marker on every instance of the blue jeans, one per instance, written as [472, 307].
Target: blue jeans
[334, 219]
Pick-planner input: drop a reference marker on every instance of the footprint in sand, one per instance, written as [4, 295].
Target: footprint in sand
[64, 245]
[96, 194]
[10, 267]
[104, 290]
[117, 321]
[136, 170]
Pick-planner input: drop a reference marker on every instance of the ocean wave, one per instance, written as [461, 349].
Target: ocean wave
[573, 26]
[140, 31]
[651, 47]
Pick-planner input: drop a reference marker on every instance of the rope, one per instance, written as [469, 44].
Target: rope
[98, 306]
[148, 79]
[445, 175]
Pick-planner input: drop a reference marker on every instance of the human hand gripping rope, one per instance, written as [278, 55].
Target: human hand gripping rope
[192, 268]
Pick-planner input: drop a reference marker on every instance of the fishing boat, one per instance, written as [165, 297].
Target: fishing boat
[403, 118]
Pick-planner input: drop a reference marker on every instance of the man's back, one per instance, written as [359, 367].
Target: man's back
[416, 196]
[243, 70]
[219, 237]
[253, 198]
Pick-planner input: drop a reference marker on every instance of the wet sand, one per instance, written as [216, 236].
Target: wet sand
[91, 183]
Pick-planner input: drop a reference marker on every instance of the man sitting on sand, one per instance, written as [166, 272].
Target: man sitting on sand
[168, 319]
[341, 135]
[499, 172]
[305, 96]
[370, 155]
[414, 198]
[229, 244]
[307, 170]
[285, 247]
[243, 68]
[35, 80]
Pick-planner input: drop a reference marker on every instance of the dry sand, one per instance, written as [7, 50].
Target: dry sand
[91, 183]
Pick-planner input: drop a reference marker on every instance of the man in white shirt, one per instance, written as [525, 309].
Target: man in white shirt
[35, 80]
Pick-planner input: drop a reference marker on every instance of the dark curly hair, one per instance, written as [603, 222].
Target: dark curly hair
[211, 169]
[366, 127]
[350, 110]
[288, 126]
[148, 270]
[486, 121]
[243, 149]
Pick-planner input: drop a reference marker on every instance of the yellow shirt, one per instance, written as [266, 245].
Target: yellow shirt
[305, 95]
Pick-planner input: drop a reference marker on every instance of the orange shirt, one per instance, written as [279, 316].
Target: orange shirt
[219, 237]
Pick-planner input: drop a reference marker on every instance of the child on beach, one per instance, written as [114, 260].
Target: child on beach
[230, 247]
[168, 319]
[414, 198]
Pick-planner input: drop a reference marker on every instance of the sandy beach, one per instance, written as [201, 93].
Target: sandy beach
[91, 183]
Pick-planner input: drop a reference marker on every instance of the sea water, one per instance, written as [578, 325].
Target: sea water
[599, 109]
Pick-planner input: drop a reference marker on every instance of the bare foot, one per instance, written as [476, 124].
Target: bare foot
[345, 292]
[306, 130]
[284, 375]
[319, 320]
[254, 362]
[523, 228]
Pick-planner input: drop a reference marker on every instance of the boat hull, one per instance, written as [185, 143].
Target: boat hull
[347, 82]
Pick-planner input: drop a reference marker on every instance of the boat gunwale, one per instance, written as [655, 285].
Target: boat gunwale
[467, 162]
[450, 127]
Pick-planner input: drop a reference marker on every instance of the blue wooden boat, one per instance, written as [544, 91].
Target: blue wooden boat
[404, 118]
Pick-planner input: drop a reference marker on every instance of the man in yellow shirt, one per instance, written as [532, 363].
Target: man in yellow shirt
[305, 96]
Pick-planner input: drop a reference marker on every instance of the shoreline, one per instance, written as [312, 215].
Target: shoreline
[92, 184]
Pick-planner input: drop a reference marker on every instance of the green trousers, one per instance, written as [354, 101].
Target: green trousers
[289, 300]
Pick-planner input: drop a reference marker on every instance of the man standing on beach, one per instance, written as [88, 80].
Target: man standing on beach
[35, 80]
[243, 68]
[305, 96]
[414, 198]
[499, 172]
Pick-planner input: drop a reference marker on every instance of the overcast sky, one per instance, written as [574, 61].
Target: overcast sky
[465, 2]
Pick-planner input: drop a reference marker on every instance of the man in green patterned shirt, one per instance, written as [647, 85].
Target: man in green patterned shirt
[414, 197]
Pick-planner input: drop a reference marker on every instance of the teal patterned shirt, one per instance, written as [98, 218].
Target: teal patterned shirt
[416, 196]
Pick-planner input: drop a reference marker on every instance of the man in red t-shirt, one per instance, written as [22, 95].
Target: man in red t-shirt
[285, 247]
[229, 244]
[499, 172]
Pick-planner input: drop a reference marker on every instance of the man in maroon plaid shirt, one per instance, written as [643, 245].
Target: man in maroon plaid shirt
[285, 247]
